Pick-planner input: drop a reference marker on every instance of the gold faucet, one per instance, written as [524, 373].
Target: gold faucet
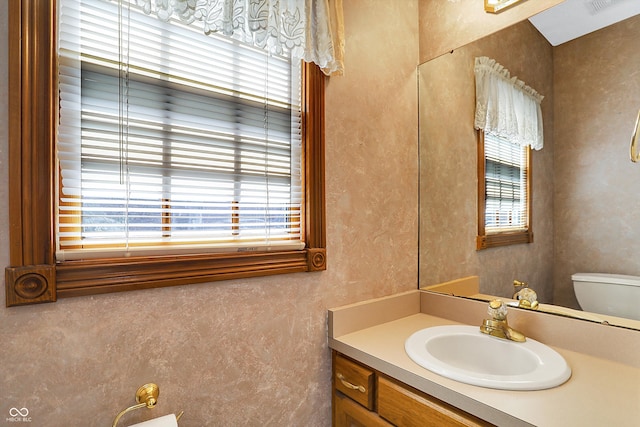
[497, 326]
[527, 297]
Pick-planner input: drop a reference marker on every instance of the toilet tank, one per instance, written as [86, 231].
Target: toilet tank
[612, 294]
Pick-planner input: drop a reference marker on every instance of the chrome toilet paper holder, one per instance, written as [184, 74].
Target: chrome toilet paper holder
[146, 396]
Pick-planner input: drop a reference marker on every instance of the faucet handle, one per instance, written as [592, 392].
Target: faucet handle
[497, 310]
[527, 298]
[497, 326]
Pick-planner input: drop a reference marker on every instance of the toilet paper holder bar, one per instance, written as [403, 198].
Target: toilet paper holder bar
[146, 396]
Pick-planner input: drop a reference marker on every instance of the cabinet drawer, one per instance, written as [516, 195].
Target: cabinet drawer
[403, 406]
[354, 380]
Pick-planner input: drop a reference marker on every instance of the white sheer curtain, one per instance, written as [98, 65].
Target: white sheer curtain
[505, 106]
[311, 30]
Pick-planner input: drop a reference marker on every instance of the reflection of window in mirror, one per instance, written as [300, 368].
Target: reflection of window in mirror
[504, 202]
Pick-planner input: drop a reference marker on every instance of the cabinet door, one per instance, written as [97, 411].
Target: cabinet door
[406, 407]
[351, 414]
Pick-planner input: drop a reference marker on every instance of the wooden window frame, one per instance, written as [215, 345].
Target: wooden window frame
[492, 240]
[34, 275]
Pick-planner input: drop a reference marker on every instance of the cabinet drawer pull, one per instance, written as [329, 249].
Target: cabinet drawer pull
[347, 384]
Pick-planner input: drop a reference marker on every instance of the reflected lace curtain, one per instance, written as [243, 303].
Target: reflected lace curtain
[311, 30]
[505, 106]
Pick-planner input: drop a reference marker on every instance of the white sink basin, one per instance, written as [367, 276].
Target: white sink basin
[465, 354]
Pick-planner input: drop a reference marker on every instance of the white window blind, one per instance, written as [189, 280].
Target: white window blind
[172, 141]
[506, 177]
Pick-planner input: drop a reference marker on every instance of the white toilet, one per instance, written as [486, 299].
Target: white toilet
[614, 294]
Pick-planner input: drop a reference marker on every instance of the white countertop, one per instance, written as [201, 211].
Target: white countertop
[600, 392]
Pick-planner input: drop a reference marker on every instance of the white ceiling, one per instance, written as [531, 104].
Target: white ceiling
[575, 18]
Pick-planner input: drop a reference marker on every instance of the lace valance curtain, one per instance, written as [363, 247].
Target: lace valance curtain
[311, 30]
[506, 106]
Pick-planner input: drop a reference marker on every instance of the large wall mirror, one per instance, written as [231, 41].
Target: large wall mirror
[586, 204]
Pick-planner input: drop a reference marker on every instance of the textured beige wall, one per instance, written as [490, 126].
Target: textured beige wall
[448, 180]
[450, 24]
[251, 352]
[597, 204]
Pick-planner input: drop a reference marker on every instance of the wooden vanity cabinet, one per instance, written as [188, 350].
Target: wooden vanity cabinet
[363, 397]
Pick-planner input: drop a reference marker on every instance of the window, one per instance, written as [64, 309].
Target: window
[504, 175]
[245, 190]
[179, 141]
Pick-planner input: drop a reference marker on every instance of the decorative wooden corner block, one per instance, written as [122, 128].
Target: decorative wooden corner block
[317, 259]
[30, 284]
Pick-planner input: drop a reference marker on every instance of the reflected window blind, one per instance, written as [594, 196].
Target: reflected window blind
[505, 185]
[170, 140]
